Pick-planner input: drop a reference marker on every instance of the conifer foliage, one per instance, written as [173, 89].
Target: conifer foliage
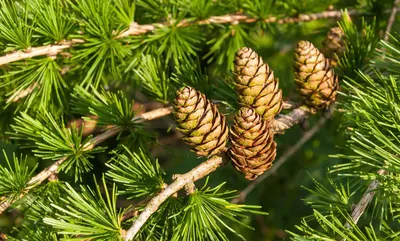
[91, 153]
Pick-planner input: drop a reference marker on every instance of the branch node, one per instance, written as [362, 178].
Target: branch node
[53, 177]
[284, 122]
[189, 187]
[123, 233]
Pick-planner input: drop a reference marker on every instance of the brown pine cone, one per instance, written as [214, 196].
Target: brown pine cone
[315, 79]
[203, 126]
[255, 84]
[334, 45]
[252, 144]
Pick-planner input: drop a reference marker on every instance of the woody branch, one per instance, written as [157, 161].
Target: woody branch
[112, 131]
[138, 29]
[279, 125]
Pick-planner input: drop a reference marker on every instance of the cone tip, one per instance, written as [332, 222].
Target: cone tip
[185, 90]
[304, 44]
[246, 111]
[245, 51]
[336, 31]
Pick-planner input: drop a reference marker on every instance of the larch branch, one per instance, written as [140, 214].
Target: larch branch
[290, 105]
[52, 49]
[112, 131]
[137, 29]
[391, 19]
[366, 199]
[279, 125]
[296, 116]
[22, 93]
[180, 182]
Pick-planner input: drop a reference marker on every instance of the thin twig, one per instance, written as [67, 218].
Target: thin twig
[203, 170]
[53, 177]
[189, 187]
[180, 182]
[290, 105]
[132, 211]
[391, 20]
[366, 199]
[137, 29]
[307, 136]
[362, 205]
[19, 94]
[46, 173]
[52, 50]
[285, 122]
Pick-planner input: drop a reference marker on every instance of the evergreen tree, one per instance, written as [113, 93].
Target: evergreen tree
[96, 96]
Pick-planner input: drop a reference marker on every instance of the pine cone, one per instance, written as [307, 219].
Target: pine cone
[334, 45]
[314, 77]
[199, 120]
[255, 84]
[252, 144]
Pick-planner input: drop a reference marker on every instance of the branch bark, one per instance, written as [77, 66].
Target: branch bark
[391, 19]
[52, 50]
[279, 125]
[290, 105]
[296, 116]
[366, 199]
[46, 173]
[137, 29]
[180, 182]
[22, 93]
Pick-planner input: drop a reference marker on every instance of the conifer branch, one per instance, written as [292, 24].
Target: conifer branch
[189, 187]
[52, 49]
[180, 182]
[133, 211]
[366, 199]
[290, 105]
[391, 19]
[137, 29]
[3, 236]
[294, 117]
[279, 125]
[112, 131]
[22, 93]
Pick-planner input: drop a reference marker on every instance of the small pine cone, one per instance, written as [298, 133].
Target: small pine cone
[203, 126]
[255, 84]
[315, 79]
[334, 45]
[252, 144]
